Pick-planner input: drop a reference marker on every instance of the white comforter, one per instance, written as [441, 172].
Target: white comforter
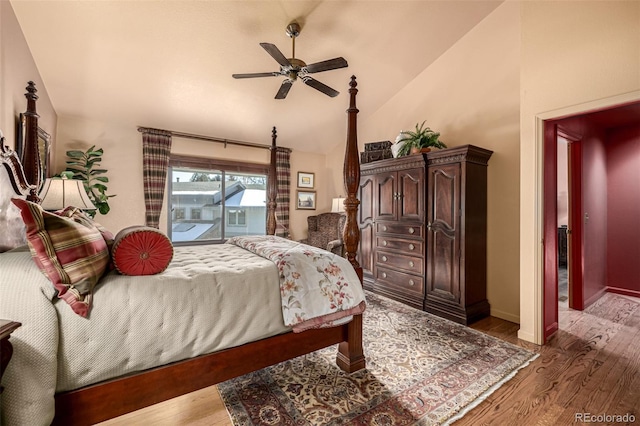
[135, 322]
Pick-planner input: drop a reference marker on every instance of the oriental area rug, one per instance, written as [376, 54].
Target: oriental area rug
[421, 370]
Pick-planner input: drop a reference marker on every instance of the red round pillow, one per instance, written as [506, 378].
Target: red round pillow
[141, 250]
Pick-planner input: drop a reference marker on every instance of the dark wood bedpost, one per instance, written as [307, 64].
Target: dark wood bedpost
[273, 186]
[350, 352]
[351, 232]
[30, 152]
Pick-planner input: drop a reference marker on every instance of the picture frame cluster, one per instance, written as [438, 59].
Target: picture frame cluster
[305, 195]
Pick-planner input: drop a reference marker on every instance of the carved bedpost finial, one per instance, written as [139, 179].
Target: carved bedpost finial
[30, 152]
[31, 91]
[351, 232]
[273, 186]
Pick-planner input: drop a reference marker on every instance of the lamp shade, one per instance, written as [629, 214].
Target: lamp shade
[58, 193]
[337, 205]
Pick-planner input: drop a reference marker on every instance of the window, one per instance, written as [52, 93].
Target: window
[214, 200]
[237, 217]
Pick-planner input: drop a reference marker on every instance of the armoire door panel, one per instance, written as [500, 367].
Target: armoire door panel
[386, 196]
[411, 197]
[366, 214]
[446, 197]
[444, 273]
[443, 264]
[367, 191]
[367, 244]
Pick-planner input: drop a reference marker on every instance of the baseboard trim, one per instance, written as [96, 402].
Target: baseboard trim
[623, 291]
[528, 337]
[595, 297]
[507, 316]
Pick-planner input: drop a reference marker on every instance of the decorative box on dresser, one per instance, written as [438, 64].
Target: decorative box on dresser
[423, 231]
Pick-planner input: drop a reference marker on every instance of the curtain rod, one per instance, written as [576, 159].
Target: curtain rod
[209, 138]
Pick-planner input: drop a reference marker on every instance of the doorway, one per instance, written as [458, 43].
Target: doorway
[587, 138]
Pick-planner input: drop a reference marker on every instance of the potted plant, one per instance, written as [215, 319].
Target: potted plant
[80, 165]
[420, 140]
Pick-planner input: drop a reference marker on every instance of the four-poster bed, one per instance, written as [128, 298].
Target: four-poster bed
[118, 395]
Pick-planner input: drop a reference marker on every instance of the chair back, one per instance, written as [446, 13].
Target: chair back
[324, 228]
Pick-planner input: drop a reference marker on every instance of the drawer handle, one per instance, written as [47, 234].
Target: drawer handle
[384, 228]
[411, 282]
[384, 258]
[411, 263]
[412, 247]
[384, 242]
[384, 275]
[411, 230]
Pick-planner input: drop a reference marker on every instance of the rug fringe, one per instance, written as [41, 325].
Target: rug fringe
[460, 414]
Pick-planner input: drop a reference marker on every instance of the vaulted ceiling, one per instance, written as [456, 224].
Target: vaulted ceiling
[168, 64]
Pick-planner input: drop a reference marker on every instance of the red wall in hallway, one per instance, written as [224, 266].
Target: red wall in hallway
[623, 200]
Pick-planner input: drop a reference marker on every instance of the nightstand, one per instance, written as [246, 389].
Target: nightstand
[6, 350]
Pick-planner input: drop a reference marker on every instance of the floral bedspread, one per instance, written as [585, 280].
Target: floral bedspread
[317, 287]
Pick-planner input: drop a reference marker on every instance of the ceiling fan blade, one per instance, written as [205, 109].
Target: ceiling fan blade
[284, 89]
[276, 54]
[256, 74]
[330, 64]
[320, 86]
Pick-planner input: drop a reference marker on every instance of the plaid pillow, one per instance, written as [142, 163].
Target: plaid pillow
[106, 234]
[68, 249]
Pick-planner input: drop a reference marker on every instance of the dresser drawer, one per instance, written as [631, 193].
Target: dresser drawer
[413, 231]
[410, 247]
[399, 281]
[407, 263]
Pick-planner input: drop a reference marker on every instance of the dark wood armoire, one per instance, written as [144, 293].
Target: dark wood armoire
[423, 223]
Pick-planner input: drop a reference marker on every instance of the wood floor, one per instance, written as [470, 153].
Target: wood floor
[591, 366]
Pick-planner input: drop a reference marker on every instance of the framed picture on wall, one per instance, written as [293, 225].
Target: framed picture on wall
[306, 200]
[306, 180]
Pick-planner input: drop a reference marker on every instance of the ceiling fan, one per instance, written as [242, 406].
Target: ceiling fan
[294, 68]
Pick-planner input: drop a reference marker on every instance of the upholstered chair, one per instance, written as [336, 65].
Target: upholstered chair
[325, 232]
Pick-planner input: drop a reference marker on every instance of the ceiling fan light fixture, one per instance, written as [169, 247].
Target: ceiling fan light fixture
[292, 68]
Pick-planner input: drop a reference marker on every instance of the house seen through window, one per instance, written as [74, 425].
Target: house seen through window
[213, 205]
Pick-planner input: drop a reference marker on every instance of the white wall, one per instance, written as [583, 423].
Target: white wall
[471, 95]
[17, 67]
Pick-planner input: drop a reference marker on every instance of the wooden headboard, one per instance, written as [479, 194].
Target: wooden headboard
[30, 152]
[19, 179]
[13, 183]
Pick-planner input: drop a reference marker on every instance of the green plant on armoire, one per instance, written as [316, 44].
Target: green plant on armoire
[421, 138]
[83, 165]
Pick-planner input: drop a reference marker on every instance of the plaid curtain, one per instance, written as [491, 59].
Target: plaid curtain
[283, 172]
[156, 148]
